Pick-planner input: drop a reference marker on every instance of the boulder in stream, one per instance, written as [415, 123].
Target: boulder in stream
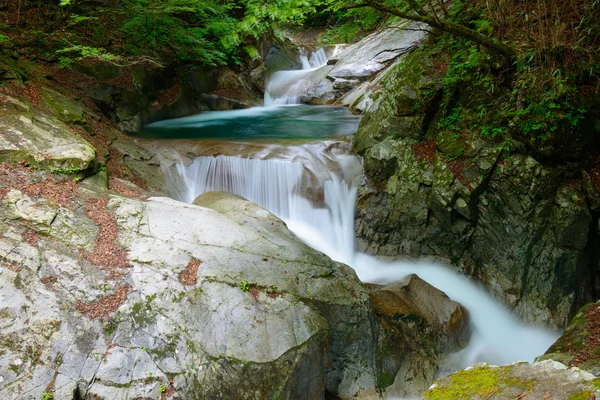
[418, 326]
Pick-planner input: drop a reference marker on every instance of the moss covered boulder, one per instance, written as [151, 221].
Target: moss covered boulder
[540, 380]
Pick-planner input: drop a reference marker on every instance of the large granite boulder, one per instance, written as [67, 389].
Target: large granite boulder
[163, 296]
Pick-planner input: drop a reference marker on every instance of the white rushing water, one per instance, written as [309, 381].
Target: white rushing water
[286, 87]
[498, 337]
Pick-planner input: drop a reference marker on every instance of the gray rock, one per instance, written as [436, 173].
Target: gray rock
[35, 137]
[418, 325]
[356, 64]
[371, 55]
[67, 110]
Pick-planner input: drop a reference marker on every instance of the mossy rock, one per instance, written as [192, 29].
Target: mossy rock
[65, 109]
[573, 343]
[450, 144]
[546, 379]
[41, 140]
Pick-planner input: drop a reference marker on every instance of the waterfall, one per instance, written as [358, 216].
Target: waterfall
[273, 184]
[498, 337]
[316, 60]
[285, 87]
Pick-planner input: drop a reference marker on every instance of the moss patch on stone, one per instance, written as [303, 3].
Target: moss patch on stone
[483, 382]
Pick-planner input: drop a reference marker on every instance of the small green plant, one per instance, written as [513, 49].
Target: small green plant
[163, 389]
[47, 396]
[244, 286]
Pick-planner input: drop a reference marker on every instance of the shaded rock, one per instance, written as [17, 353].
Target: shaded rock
[509, 218]
[418, 325]
[590, 191]
[413, 298]
[67, 110]
[282, 56]
[145, 165]
[101, 70]
[534, 237]
[450, 144]
[545, 379]
[35, 137]
[258, 76]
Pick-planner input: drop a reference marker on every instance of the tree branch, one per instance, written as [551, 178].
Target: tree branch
[455, 29]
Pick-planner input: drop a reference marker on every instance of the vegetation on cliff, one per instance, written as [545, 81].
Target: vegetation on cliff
[534, 65]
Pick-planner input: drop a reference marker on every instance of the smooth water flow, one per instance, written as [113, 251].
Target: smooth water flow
[286, 87]
[498, 337]
[297, 122]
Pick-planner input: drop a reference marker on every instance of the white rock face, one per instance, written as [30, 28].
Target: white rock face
[259, 317]
[357, 65]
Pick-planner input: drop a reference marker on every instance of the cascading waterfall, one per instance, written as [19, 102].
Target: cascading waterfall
[498, 337]
[285, 87]
[271, 184]
[314, 61]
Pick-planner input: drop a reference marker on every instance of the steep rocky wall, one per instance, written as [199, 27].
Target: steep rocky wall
[498, 210]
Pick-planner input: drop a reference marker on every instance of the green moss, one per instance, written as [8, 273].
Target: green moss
[585, 395]
[110, 327]
[18, 282]
[385, 380]
[66, 171]
[166, 351]
[483, 382]
[142, 312]
[596, 383]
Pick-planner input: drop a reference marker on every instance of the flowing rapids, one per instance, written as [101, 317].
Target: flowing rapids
[316, 196]
[498, 337]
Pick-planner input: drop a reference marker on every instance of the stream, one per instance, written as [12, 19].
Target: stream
[294, 161]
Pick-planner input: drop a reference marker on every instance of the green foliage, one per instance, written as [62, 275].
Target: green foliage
[451, 120]
[203, 32]
[347, 26]
[244, 286]
[492, 131]
[47, 396]
[163, 388]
